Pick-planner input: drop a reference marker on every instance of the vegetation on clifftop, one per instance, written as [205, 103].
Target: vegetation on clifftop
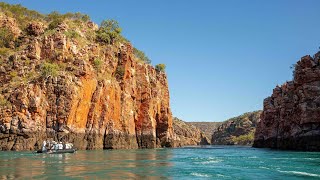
[141, 55]
[109, 31]
[35, 46]
[238, 130]
[24, 24]
[160, 67]
[6, 37]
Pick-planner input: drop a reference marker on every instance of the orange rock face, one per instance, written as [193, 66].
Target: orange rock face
[291, 116]
[120, 104]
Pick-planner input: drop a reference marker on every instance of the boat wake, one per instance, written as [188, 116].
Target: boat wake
[300, 173]
[200, 175]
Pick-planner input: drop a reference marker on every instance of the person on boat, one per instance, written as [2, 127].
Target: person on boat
[44, 149]
[60, 146]
[54, 145]
[68, 146]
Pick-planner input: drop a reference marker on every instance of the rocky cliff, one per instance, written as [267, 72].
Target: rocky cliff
[236, 131]
[187, 134]
[206, 127]
[291, 115]
[59, 82]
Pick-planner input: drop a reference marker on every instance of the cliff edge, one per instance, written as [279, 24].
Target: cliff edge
[64, 78]
[291, 115]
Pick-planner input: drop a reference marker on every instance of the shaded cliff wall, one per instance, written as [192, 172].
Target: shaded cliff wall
[291, 115]
[123, 103]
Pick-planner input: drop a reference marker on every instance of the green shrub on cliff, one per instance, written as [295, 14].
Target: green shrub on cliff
[160, 67]
[77, 16]
[141, 55]
[20, 13]
[49, 69]
[72, 34]
[97, 64]
[4, 102]
[244, 139]
[13, 74]
[5, 51]
[6, 38]
[55, 19]
[109, 32]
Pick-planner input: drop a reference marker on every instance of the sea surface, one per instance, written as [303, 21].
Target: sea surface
[205, 162]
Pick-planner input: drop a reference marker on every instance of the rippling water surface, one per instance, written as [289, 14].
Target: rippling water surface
[209, 162]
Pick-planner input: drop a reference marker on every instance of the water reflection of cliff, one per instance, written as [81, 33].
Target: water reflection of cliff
[115, 164]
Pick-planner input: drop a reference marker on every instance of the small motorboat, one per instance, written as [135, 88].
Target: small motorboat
[59, 151]
[56, 148]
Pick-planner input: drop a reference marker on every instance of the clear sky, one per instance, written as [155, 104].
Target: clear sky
[223, 57]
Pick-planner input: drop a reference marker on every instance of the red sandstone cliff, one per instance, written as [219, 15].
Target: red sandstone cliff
[291, 116]
[123, 103]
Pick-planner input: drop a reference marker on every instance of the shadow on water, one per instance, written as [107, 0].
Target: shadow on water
[101, 164]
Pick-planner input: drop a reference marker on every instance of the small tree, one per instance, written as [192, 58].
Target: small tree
[55, 23]
[49, 69]
[97, 64]
[4, 102]
[6, 37]
[108, 32]
[160, 67]
[55, 19]
[141, 55]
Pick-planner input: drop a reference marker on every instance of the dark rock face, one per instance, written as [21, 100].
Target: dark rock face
[291, 116]
[236, 131]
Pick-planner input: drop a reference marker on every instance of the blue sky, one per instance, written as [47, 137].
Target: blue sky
[223, 57]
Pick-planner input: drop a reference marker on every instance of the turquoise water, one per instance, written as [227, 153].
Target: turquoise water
[210, 162]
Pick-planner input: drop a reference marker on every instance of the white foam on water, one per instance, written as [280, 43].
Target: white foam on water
[200, 175]
[253, 157]
[209, 162]
[221, 175]
[203, 158]
[301, 173]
